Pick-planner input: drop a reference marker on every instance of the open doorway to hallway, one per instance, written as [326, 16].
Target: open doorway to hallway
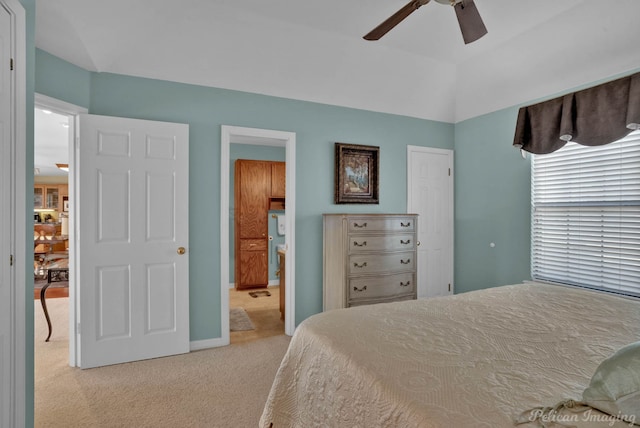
[54, 122]
[54, 125]
[50, 210]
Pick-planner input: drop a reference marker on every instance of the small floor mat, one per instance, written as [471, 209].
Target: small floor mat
[262, 293]
[239, 320]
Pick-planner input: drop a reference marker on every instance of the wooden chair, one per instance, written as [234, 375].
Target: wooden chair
[47, 247]
[44, 232]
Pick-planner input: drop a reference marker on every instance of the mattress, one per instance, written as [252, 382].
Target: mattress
[477, 359]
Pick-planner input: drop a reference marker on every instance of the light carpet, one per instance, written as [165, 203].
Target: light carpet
[239, 320]
[219, 387]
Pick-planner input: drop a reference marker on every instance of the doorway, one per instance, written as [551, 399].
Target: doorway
[261, 137]
[257, 255]
[51, 150]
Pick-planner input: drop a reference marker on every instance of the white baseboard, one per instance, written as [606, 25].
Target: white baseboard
[198, 345]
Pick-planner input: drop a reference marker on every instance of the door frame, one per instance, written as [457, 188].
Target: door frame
[265, 137]
[410, 204]
[17, 227]
[72, 111]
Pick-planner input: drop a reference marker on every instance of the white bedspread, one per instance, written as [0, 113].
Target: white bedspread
[472, 360]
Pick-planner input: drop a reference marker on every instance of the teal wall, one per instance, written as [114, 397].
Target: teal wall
[492, 203]
[62, 80]
[252, 152]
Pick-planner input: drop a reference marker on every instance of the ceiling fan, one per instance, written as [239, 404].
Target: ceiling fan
[471, 24]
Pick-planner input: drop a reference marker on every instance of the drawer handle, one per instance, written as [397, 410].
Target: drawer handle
[407, 242]
[405, 224]
[360, 225]
[359, 289]
[356, 244]
[360, 266]
[405, 262]
[405, 284]
[252, 245]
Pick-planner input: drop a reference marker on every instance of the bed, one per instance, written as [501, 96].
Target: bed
[477, 359]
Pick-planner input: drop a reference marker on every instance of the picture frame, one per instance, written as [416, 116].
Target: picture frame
[357, 170]
[65, 203]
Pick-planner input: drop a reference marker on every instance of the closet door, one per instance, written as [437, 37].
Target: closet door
[278, 179]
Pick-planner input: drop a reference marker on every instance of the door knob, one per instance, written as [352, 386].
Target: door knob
[181, 250]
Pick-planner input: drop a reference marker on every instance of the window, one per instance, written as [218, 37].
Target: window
[586, 216]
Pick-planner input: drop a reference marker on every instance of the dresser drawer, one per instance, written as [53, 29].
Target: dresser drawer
[381, 224]
[381, 286]
[401, 298]
[399, 242]
[381, 263]
[253, 244]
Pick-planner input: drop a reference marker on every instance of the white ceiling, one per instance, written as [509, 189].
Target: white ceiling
[96, 34]
[313, 50]
[51, 143]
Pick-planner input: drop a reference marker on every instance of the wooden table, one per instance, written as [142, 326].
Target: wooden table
[53, 275]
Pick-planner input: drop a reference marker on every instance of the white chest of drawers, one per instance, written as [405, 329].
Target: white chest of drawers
[368, 258]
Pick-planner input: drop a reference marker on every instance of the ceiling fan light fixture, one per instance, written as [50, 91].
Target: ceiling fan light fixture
[63, 166]
[471, 24]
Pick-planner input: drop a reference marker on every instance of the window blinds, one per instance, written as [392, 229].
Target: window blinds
[586, 216]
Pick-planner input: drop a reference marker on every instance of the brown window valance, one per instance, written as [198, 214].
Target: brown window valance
[591, 117]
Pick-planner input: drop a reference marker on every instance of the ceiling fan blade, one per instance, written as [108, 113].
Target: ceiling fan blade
[471, 24]
[395, 19]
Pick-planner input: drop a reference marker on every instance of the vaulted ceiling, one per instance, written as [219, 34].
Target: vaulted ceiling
[314, 50]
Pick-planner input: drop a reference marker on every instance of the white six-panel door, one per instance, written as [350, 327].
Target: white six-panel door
[133, 283]
[430, 195]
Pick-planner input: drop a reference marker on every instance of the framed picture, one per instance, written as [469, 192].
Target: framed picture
[356, 174]
[65, 203]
